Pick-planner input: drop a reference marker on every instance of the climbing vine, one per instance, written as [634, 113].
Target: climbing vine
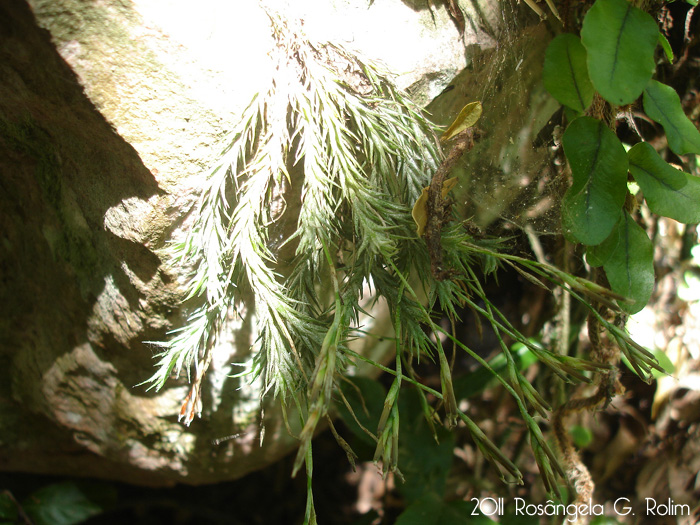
[598, 78]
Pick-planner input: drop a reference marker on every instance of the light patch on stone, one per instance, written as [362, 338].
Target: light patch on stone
[113, 314]
[73, 417]
[221, 47]
[407, 42]
[124, 219]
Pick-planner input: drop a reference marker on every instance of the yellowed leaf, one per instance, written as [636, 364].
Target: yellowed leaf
[466, 119]
[420, 208]
[420, 212]
[447, 186]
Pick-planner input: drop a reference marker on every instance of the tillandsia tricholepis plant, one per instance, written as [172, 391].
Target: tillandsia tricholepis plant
[334, 147]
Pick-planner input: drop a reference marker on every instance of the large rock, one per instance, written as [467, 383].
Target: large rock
[109, 114]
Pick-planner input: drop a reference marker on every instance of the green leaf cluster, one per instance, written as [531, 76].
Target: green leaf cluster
[430, 509]
[64, 503]
[615, 57]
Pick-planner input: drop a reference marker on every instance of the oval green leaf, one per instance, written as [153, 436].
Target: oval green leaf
[565, 74]
[630, 264]
[668, 191]
[581, 435]
[662, 104]
[8, 508]
[69, 503]
[430, 509]
[661, 358]
[598, 161]
[665, 362]
[620, 40]
[597, 255]
[424, 462]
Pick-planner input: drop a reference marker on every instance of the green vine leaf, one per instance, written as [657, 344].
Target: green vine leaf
[627, 256]
[662, 104]
[432, 510]
[69, 503]
[425, 459]
[598, 255]
[668, 191]
[666, 366]
[565, 74]
[620, 40]
[598, 161]
[8, 508]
